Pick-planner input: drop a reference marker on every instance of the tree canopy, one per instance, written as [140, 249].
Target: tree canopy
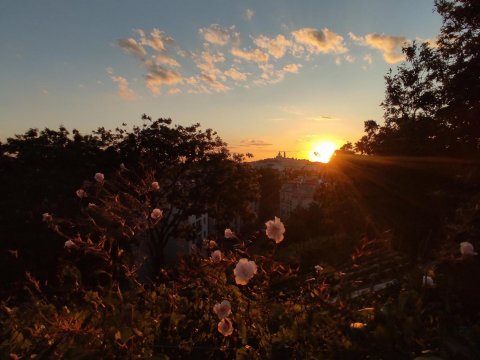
[432, 101]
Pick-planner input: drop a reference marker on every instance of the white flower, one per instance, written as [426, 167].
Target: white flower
[318, 268]
[155, 185]
[123, 167]
[69, 244]
[99, 177]
[81, 193]
[46, 217]
[225, 327]
[229, 234]
[244, 271]
[467, 249]
[92, 205]
[275, 230]
[428, 282]
[216, 256]
[156, 214]
[223, 309]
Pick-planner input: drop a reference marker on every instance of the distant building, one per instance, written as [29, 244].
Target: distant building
[297, 193]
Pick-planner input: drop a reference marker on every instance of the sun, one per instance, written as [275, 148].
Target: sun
[322, 151]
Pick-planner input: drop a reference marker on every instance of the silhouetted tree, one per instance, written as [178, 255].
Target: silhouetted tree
[432, 101]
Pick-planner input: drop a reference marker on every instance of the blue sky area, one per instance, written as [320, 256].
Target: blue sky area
[266, 75]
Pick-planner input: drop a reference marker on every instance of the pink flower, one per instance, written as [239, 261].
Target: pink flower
[467, 249]
[81, 193]
[46, 217]
[69, 244]
[99, 177]
[244, 271]
[225, 327]
[155, 185]
[223, 309]
[216, 256]
[156, 214]
[275, 230]
[212, 244]
[229, 234]
[428, 282]
[318, 268]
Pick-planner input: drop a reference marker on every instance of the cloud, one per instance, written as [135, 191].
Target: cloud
[255, 55]
[163, 59]
[276, 47]
[248, 14]
[390, 46]
[156, 39]
[159, 75]
[292, 68]
[322, 118]
[131, 46]
[368, 59]
[320, 41]
[173, 91]
[216, 34]
[235, 74]
[209, 73]
[349, 58]
[124, 90]
[254, 142]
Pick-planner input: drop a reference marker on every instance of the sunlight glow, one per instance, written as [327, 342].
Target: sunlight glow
[322, 151]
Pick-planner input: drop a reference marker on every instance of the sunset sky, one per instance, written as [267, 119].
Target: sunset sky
[267, 75]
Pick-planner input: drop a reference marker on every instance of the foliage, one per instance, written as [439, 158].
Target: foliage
[43, 169]
[431, 102]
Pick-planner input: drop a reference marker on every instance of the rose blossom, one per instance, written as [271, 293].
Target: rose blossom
[81, 193]
[275, 230]
[46, 217]
[244, 271]
[99, 177]
[225, 327]
[223, 309]
[69, 244]
[229, 234]
[466, 249]
[216, 256]
[428, 282]
[155, 185]
[318, 268]
[156, 214]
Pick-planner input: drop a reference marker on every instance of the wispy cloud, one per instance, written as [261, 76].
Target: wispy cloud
[218, 35]
[131, 46]
[254, 142]
[390, 46]
[292, 68]
[123, 88]
[235, 74]
[173, 91]
[255, 55]
[320, 41]
[277, 46]
[322, 118]
[248, 14]
[368, 59]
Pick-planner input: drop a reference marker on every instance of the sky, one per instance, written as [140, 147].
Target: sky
[268, 76]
